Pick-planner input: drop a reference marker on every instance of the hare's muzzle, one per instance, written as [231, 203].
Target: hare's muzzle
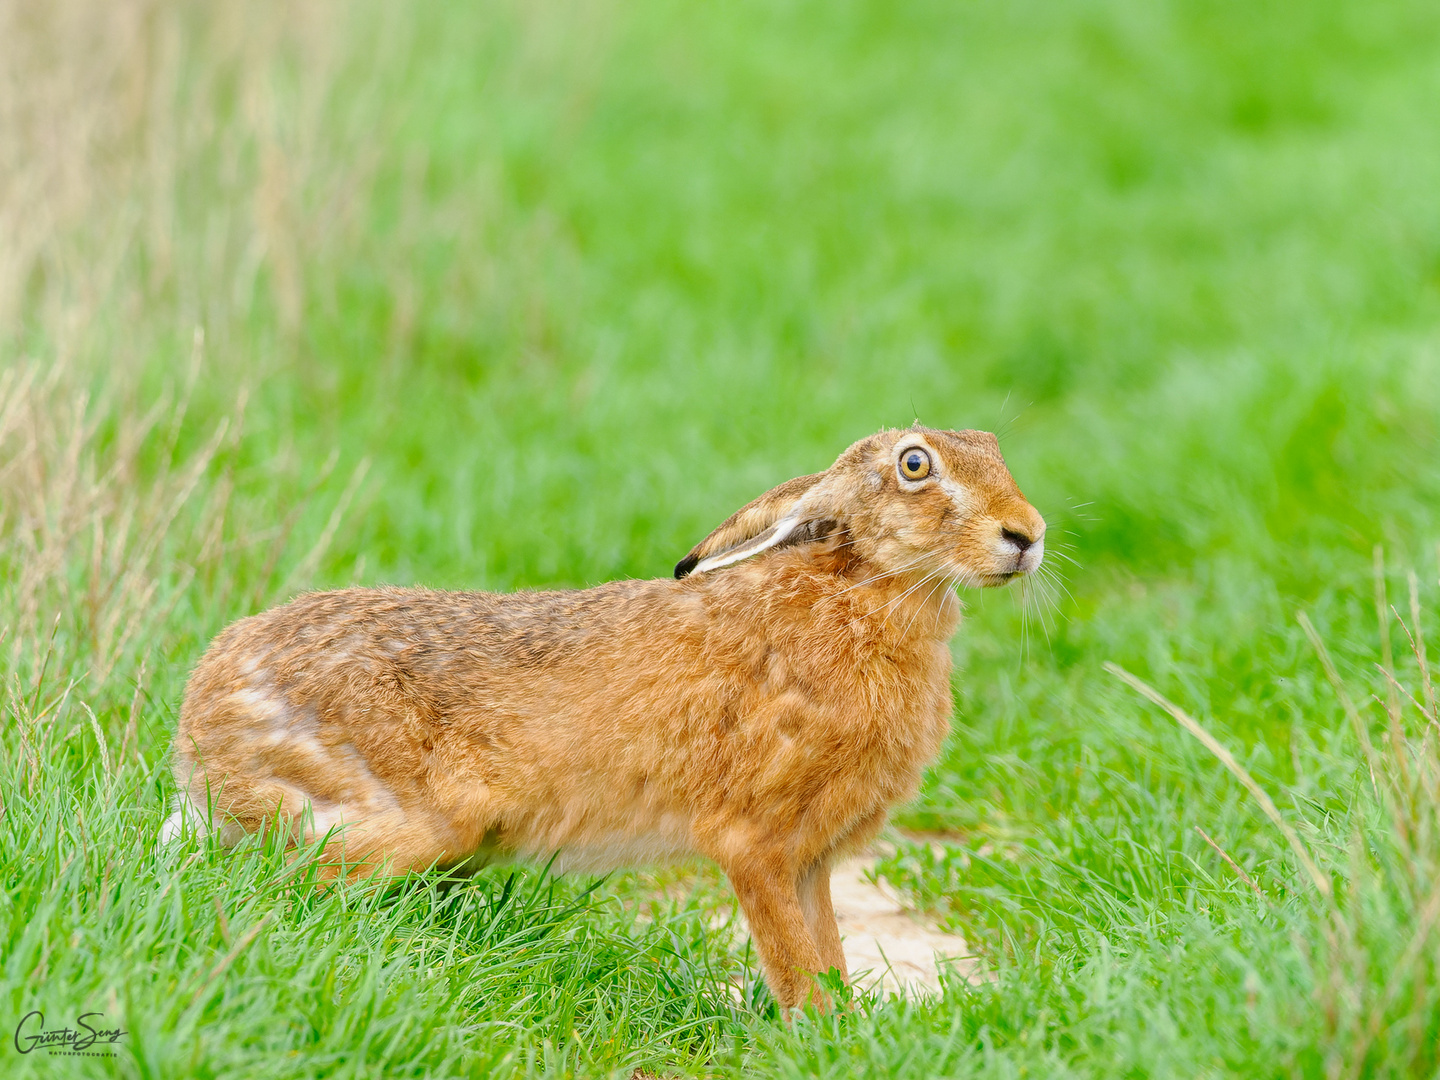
[1018, 548]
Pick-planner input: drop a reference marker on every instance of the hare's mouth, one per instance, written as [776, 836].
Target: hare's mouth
[1004, 577]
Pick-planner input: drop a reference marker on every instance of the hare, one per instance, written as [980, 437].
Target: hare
[764, 709]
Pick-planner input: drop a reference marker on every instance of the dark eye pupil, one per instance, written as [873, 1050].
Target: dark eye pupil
[912, 463]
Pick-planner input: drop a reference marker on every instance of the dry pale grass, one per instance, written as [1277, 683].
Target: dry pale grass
[102, 533]
[162, 166]
[106, 527]
[83, 532]
[166, 164]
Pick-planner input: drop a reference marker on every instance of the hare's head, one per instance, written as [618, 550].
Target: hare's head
[915, 499]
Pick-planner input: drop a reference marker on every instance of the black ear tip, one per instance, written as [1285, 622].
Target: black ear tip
[685, 565]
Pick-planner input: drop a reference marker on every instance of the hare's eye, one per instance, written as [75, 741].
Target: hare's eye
[915, 465]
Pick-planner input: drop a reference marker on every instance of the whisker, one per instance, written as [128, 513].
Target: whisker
[1044, 605]
[895, 600]
[882, 576]
[1053, 578]
[889, 573]
[1068, 558]
[951, 581]
[1039, 600]
[1024, 620]
[1034, 594]
[965, 577]
[1041, 595]
[940, 573]
[944, 580]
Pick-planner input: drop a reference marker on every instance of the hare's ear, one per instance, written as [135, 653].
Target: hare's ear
[789, 514]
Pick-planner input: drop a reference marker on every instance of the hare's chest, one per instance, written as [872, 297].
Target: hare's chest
[903, 697]
[868, 729]
[901, 717]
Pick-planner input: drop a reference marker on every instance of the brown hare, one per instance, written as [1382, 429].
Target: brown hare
[764, 709]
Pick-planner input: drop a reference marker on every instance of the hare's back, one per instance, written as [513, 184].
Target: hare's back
[418, 643]
[375, 690]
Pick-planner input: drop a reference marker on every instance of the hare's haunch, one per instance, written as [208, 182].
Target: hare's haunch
[764, 709]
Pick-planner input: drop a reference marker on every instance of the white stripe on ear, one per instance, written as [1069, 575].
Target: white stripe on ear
[772, 536]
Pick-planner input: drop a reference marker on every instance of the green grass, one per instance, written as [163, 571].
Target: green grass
[515, 295]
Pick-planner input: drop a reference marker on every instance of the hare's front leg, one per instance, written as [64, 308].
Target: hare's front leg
[814, 891]
[765, 885]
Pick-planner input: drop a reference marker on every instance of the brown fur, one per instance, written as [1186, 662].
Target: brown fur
[765, 714]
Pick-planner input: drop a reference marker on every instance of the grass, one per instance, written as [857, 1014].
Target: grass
[505, 296]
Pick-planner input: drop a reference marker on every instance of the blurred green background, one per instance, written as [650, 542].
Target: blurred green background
[511, 295]
[580, 278]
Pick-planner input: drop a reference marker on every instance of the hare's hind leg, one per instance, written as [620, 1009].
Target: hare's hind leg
[813, 888]
[765, 885]
[391, 842]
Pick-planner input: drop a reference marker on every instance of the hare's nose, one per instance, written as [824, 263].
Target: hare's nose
[1019, 539]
